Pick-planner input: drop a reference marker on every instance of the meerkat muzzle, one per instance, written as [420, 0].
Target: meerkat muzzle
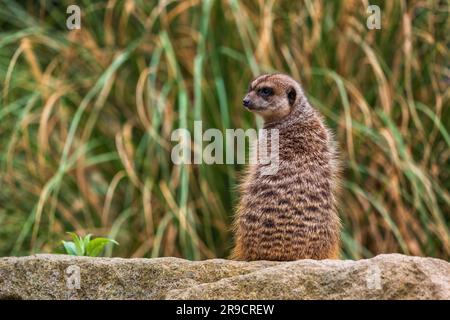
[247, 102]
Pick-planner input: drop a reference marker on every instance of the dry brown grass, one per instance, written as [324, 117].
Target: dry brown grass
[86, 118]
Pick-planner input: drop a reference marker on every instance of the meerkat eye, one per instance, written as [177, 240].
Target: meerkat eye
[265, 91]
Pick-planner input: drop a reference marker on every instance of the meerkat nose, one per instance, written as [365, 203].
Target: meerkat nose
[246, 102]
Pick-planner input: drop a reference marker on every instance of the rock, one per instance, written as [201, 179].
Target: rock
[387, 276]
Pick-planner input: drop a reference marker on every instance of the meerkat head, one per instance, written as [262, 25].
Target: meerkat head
[272, 96]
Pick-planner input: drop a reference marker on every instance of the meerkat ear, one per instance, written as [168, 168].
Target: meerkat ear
[291, 94]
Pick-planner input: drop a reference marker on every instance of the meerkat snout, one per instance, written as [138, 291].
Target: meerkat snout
[272, 96]
[246, 101]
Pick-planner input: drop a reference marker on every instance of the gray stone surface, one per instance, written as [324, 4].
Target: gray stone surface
[387, 276]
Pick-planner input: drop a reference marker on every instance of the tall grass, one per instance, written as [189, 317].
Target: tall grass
[86, 118]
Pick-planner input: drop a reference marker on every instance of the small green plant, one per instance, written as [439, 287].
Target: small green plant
[86, 246]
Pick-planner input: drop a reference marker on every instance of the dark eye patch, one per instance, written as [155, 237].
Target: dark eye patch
[265, 91]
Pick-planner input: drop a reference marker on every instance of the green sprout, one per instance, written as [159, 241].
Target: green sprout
[85, 246]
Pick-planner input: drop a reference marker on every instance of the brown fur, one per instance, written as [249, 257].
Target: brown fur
[292, 214]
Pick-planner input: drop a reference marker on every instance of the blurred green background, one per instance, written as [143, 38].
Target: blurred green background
[86, 117]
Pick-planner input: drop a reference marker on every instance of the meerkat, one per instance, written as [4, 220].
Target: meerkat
[291, 214]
